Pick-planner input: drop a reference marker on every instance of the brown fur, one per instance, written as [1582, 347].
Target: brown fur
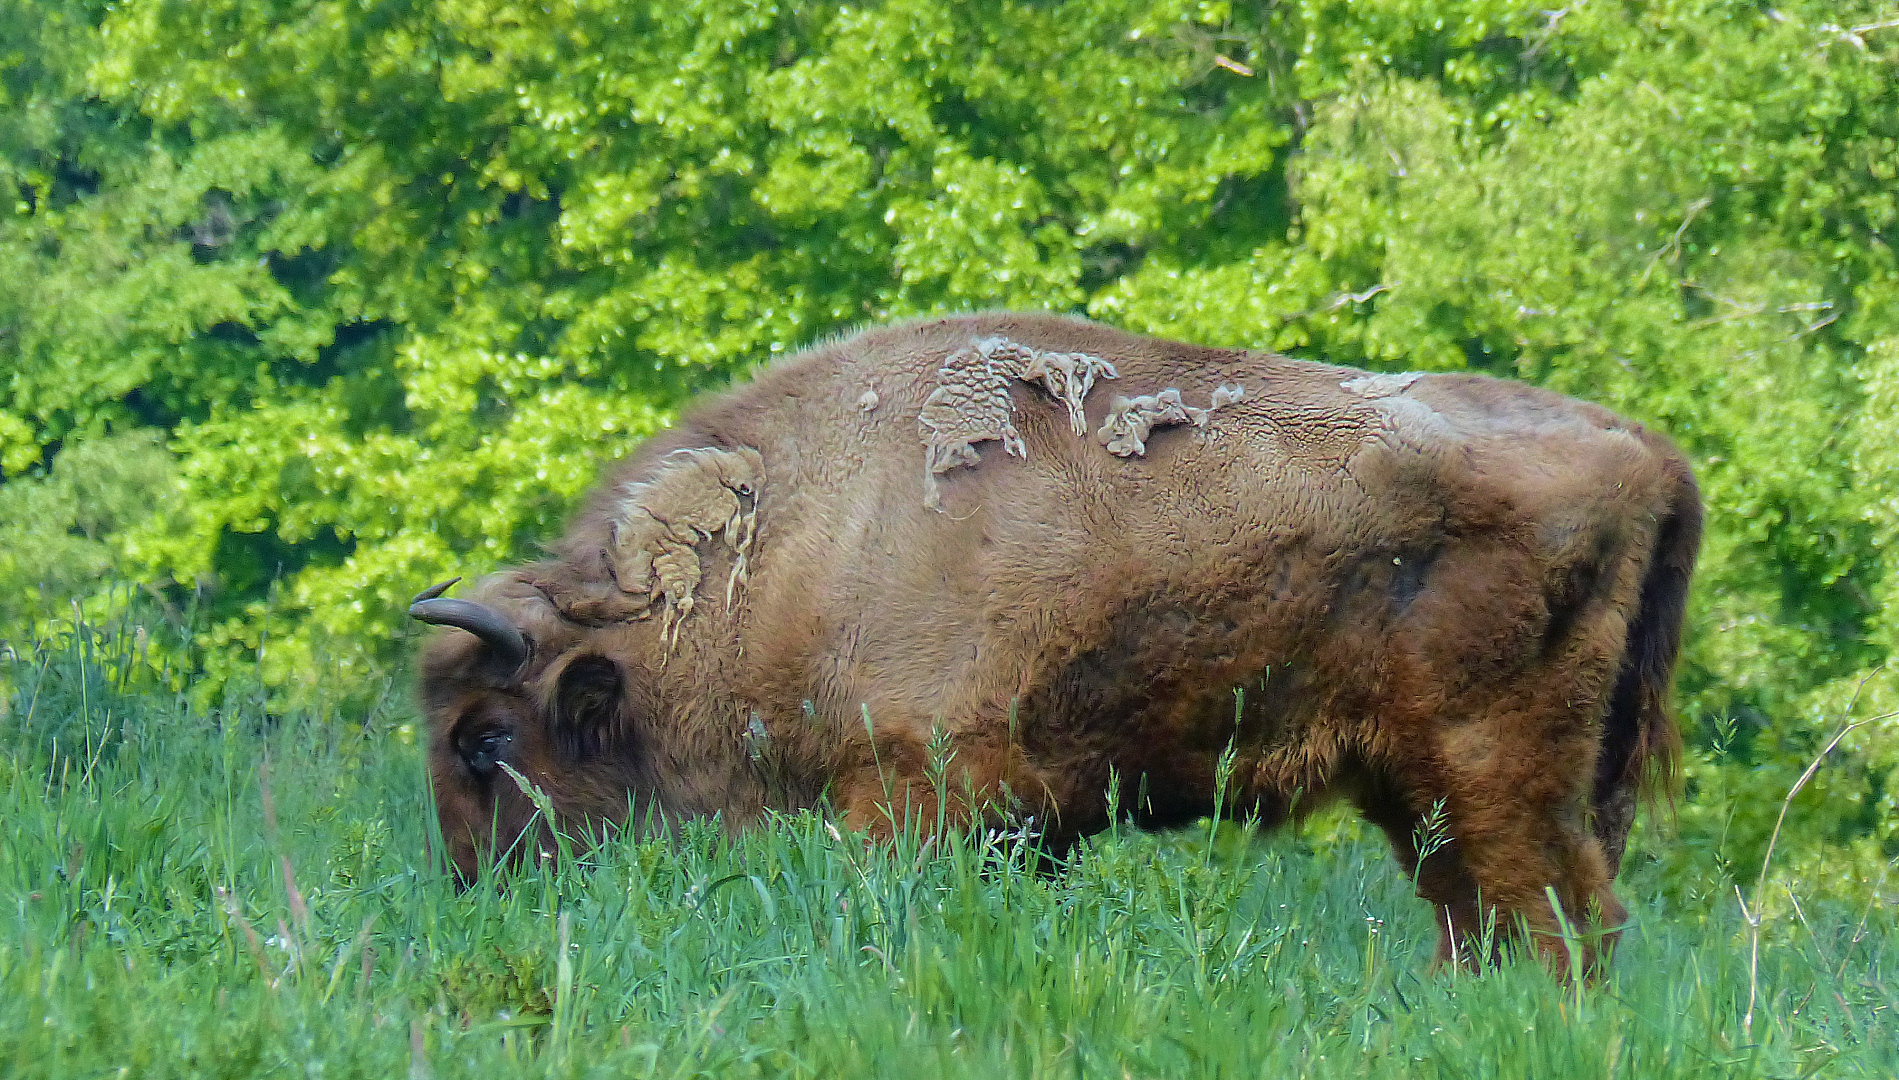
[1437, 590]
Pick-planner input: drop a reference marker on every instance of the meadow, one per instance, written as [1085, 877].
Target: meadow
[224, 892]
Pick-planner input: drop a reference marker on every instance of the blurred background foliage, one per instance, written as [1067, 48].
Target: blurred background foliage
[310, 304]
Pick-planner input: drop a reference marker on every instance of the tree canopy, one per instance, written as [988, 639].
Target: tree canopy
[311, 304]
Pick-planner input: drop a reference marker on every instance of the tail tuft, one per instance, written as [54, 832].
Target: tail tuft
[1641, 742]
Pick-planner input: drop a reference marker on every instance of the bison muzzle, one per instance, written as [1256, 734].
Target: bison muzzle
[1059, 549]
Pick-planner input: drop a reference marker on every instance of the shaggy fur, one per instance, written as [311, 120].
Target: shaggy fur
[1438, 591]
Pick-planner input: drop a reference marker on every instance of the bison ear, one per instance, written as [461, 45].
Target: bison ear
[587, 699]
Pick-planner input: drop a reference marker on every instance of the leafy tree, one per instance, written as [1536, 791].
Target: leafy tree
[63, 534]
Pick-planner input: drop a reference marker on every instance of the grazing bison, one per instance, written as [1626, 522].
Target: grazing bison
[1058, 549]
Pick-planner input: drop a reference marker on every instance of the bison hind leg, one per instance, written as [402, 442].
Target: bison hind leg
[1489, 868]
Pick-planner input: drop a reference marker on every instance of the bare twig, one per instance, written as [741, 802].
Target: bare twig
[1812, 767]
[1752, 914]
[1205, 45]
[1694, 208]
[1741, 310]
[1801, 914]
[1856, 35]
[1818, 325]
[234, 911]
[1859, 932]
[1672, 249]
[1340, 299]
[1555, 19]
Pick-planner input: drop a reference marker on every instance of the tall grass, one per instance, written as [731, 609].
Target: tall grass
[221, 892]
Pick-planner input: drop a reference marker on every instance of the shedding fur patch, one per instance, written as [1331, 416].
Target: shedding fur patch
[971, 402]
[1131, 420]
[1067, 377]
[692, 496]
[1377, 386]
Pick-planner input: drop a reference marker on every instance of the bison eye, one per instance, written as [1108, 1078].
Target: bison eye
[482, 752]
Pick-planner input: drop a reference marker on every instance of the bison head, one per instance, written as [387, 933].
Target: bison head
[525, 706]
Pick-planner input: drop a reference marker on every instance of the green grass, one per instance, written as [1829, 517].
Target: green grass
[152, 930]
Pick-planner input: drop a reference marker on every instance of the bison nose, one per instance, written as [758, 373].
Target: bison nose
[505, 642]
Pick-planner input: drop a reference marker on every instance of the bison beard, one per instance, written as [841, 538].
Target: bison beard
[1446, 596]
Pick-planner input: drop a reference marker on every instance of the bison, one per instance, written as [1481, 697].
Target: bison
[1048, 552]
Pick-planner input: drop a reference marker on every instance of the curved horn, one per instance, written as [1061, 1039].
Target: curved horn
[509, 644]
[434, 591]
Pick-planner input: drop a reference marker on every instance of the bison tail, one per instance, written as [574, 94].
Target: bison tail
[1641, 742]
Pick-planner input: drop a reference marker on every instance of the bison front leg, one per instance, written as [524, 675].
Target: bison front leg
[1421, 840]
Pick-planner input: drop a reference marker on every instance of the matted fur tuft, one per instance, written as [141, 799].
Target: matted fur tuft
[972, 402]
[694, 495]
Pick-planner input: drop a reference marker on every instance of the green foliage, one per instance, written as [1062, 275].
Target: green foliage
[392, 280]
[62, 534]
[228, 894]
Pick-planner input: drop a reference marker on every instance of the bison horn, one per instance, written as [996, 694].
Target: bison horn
[434, 591]
[509, 644]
